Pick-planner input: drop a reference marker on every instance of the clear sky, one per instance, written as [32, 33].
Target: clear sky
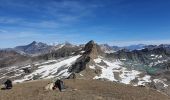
[116, 22]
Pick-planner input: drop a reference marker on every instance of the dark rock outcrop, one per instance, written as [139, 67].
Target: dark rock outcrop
[92, 51]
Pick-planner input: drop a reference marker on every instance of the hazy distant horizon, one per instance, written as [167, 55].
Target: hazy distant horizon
[117, 43]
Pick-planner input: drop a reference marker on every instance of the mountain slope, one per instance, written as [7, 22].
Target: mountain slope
[34, 48]
[11, 57]
[56, 68]
[85, 90]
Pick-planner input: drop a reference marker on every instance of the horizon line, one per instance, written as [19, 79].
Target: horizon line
[114, 43]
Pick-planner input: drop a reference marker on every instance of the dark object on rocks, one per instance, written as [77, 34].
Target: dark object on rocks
[141, 86]
[60, 85]
[27, 70]
[72, 76]
[8, 84]
[35, 77]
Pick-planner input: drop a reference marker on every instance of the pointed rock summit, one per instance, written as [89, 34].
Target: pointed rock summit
[92, 51]
[34, 42]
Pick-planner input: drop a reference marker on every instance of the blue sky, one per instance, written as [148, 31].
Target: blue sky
[116, 22]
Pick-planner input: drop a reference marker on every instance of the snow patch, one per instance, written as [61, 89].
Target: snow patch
[109, 51]
[143, 80]
[124, 75]
[59, 69]
[128, 76]
[152, 55]
[98, 60]
[82, 51]
[160, 81]
[92, 67]
[107, 71]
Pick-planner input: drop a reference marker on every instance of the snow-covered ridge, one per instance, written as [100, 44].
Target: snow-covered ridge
[57, 69]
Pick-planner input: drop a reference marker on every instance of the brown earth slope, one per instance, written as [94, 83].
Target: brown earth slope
[86, 90]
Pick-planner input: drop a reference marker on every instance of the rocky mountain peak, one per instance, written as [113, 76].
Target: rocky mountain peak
[33, 48]
[108, 49]
[89, 45]
[38, 44]
[92, 49]
[34, 42]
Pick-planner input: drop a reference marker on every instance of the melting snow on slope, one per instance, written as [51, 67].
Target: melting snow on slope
[98, 60]
[144, 79]
[126, 76]
[92, 67]
[107, 71]
[52, 70]
[160, 81]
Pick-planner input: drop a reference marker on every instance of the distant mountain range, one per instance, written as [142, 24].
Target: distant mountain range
[112, 49]
[135, 47]
[34, 48]
[38, 48]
